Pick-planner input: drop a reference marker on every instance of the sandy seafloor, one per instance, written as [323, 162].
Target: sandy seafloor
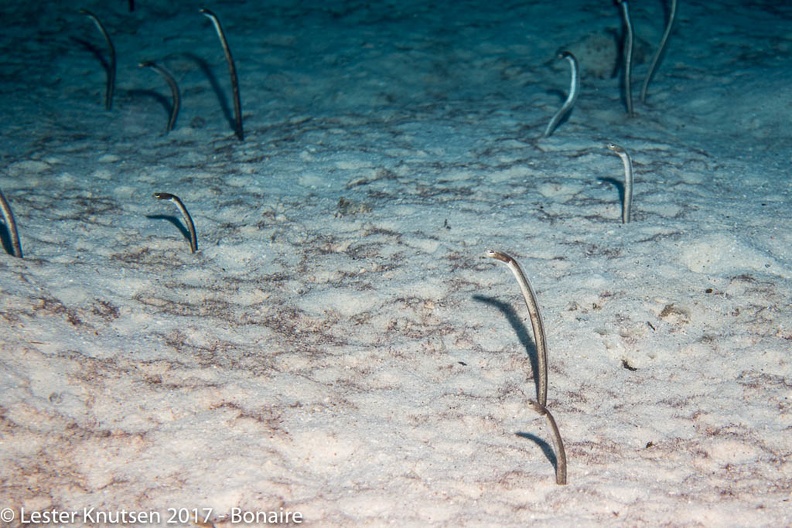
[340, 346]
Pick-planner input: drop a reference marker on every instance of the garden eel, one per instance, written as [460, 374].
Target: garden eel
[231, 70]
[628, 181]
[11, 226]
[574, 90]
[111, 69]
[174, 90]
[659, 51]
[185, 214]
[628, 51]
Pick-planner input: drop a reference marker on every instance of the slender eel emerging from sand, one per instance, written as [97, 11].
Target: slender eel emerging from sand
[185, 215]
[111, 65]
[536, 321]
[574, 90]
[232, 71]
[627, 53]
[628, 181]
[8, 218]
[658, 54]
[561, 462]
[174, 91]
[541, 352]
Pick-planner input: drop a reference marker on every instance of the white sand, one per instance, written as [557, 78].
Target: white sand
[340, 346]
